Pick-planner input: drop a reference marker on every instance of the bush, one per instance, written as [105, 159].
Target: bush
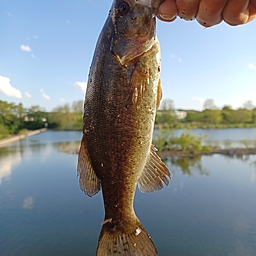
[185, 143]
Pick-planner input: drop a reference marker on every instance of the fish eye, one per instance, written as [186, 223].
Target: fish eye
[122, 8]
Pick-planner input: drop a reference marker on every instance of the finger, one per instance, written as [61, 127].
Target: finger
[167, 10]
[239, 12]
[187, 8]
[210, 12]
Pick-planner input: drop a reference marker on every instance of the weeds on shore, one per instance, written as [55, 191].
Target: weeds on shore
[186, 143]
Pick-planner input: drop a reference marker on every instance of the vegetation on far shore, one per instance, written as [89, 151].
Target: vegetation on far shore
[190, 145]
[15, 119]
[210, 117]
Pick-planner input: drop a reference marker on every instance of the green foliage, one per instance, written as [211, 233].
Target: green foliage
[212, 116]
[194, 116]
[10, 120]
[64, 118]
[166, 117]
[209, 118]
[189, 165]
[185, 143]
[15, 119]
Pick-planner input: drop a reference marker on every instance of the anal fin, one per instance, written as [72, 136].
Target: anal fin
[89, 182]
[154, 174]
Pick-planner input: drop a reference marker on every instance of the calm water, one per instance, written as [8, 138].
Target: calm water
[209, 207]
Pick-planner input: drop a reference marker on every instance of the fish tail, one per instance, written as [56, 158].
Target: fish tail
[134, 241]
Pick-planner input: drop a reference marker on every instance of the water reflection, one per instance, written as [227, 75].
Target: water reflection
[188, 165]
[68, 147]
[28, 203]
[7, 162]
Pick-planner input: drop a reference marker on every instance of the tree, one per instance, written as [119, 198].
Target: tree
[209, 104]
[228, 115]
[243, 116]
[212, 116]
[254, 116]
[166, 114]
[194, 116]
[78, 106]
[248, 105]
[167, 104]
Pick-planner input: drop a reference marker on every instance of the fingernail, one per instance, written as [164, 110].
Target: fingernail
[166, 17]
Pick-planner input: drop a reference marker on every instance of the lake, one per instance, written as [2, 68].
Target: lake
[209, 207]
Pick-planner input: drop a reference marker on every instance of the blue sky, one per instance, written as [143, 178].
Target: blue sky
[46, 49]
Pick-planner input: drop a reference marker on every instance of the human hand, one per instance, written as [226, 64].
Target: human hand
[209, 13]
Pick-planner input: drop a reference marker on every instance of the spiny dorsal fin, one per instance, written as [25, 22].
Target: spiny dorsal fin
[88, 180]
[154, 173]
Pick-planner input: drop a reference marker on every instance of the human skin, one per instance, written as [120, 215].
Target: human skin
[209, 12]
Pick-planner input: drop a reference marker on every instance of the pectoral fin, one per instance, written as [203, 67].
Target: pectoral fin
[154, 173]
[88, 180]
[138, 83]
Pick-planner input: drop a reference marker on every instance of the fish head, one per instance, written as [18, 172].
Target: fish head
[134, 26]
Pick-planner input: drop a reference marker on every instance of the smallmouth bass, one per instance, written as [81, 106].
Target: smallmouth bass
[123, 94]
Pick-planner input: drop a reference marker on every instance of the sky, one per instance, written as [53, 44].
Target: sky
[46, 49]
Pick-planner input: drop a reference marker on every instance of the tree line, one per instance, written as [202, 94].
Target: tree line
[15, 119]
[211, 116]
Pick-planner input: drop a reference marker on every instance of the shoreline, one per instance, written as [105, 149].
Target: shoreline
[20, 136]
[73, 148]
[232, 152]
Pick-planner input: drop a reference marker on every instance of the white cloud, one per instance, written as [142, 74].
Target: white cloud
[35, 37]
[7, 163]
[33, 56]
[199, 99]
[27, 95]
[25, 48]
[251, 66]
[47, 97]
[179, 60]
[7, 89]
[81, 85]
[62, 100]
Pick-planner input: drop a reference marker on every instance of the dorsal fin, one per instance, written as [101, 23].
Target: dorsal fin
[154, 173]
[89, 182]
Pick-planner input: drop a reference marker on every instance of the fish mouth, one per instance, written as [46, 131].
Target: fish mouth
[154, 4]
[142, 45]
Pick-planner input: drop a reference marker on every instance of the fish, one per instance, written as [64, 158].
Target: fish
[116, 152]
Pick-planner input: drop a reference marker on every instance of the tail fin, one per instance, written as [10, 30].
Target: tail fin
[134, 241]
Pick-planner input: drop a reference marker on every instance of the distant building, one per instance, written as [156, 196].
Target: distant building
[181, 114]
